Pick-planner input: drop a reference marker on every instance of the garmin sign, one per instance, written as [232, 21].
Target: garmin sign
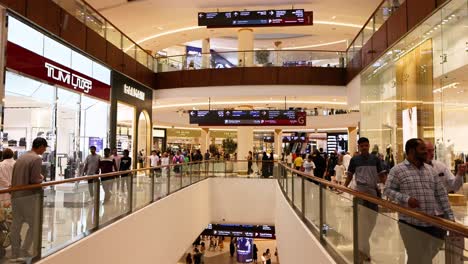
[134, 92]
[66, 77]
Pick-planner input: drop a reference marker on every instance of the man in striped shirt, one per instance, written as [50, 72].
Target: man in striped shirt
[416, 185]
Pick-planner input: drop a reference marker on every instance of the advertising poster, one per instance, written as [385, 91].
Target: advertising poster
[97, 142]
[410, 124]
[244, 250]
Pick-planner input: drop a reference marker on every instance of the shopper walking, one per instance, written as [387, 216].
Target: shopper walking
[188, 259]
[92, 168]
[271, 163]
[451, 183]
[309, 166]
[197, 256]
[346, 159]
[178, 159]
[255, 253]
[320, 164]
[249, 163]
[107, 165]
[116, 157]
[289, 159]
[268, 256]
[6, 172]
[207, 155]
[125, 165]
[264, 165]
[26, 204]
[366, 169]
[232, 247]
[298, 162]
[416, 185]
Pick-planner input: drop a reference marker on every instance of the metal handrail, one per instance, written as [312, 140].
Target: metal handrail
[365, 24]
[248, 51]
[121, 32]
[91, 177]
[437, 221]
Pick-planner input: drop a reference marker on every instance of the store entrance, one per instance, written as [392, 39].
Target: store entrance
[125, 129]
[69, 121]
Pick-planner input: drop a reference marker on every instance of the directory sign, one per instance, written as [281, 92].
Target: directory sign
[251, 231]
[248, 118]
[260, 18]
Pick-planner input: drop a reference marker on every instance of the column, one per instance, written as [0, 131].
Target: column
[245, 42]
[204, 140]
[244, 145]
[278, 54]
[206, 56]
[352, 141]
[278, 142]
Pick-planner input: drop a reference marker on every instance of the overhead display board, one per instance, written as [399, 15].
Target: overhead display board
[253, 231]
[260, 18]
[248, 118]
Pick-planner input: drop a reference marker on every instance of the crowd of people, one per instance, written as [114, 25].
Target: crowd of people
[419, 183]
[216, 243]
[331, 166]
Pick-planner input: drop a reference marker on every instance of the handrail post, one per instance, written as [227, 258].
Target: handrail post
[286, 181]
[181, 173]
[191, 171]
[41, 223]
[130, 195]
[303, 197]
[355, 230]
[97, 202]
[292, 188]
[153, 179]
[169, 179]
[225, 168]
[321, 211]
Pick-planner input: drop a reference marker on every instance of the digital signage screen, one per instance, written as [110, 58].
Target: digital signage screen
[258, 18]
[252, 231]
[248, 118]
[244, 250]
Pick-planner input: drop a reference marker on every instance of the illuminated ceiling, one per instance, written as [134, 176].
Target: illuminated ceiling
[158, 24]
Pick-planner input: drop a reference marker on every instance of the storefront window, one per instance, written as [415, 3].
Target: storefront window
[29, 112]
[419, 88]
[94, 125]
[50, 95]
[125, 129]
[144, 127]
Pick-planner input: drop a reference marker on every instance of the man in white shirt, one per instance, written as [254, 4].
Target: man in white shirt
[116, 158]
[451, 183]
[154, 160]
[346, 159]
[6, 171]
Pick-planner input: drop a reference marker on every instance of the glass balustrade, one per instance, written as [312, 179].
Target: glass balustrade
[351, 230]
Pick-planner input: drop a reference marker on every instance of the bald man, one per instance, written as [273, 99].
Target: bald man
[452, 183]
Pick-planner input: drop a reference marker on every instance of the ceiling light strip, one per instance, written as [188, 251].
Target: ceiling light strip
[251, 102]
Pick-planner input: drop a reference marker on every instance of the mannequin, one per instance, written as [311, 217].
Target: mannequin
[389, 159]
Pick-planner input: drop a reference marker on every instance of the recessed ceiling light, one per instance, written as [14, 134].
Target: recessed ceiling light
[160, 28]
[333, 17]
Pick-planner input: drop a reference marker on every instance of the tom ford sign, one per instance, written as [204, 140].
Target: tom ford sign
[34, 65]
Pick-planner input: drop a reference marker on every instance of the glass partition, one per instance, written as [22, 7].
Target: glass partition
[260, 58]
[417, 90]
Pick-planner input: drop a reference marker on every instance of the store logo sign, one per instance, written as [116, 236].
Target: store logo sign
[64, 76]
[132, 91]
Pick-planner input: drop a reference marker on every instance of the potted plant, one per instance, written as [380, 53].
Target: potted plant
[263, 57]
[230, 147]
